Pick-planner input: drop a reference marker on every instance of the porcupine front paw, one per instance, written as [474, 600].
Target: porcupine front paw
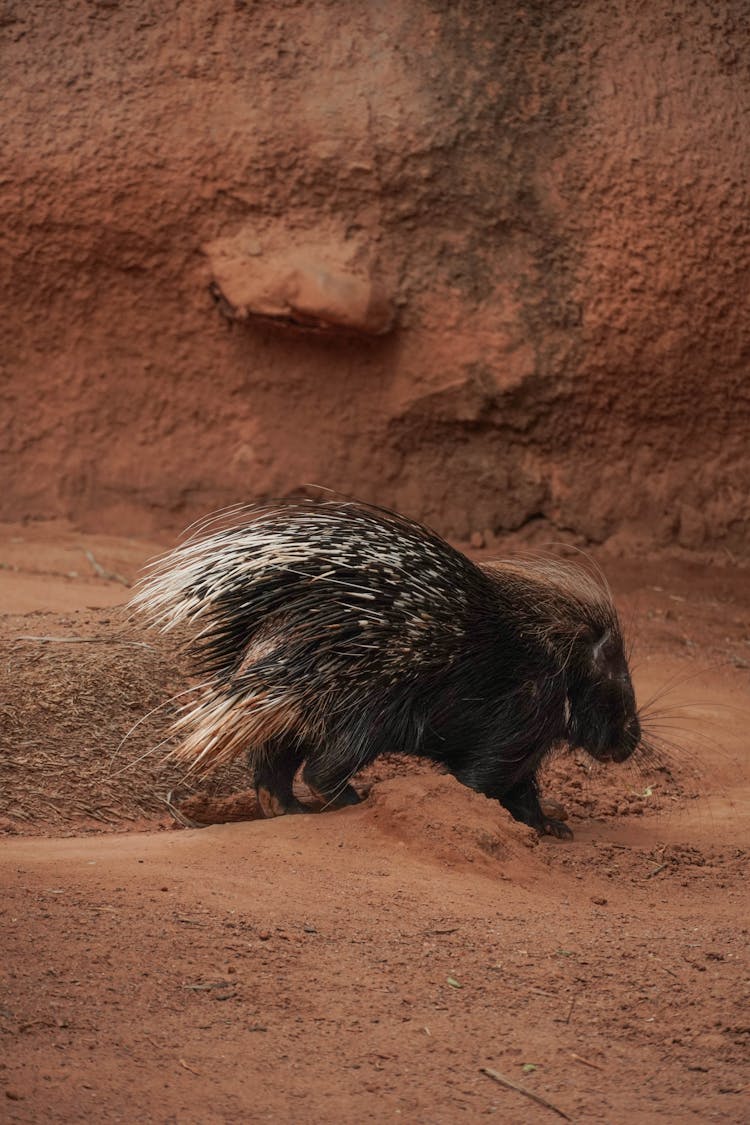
[522, 802]
[557, 828]
[553, 818]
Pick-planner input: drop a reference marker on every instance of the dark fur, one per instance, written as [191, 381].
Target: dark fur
[359, 632]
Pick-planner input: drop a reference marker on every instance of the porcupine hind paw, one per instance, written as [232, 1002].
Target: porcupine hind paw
[271, 804]
[274, 778]
[333, 795]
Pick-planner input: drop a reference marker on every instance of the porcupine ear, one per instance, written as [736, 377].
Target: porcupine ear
[599, 649]
[594, 643]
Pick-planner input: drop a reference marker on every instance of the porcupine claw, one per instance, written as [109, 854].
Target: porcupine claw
[552, 809]
[557, 828]
[553, 816]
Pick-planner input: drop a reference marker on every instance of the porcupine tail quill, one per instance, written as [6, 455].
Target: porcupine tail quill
[217, 730]
[181, 586]
[196, 582]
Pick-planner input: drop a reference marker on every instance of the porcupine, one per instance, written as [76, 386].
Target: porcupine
[334, 631]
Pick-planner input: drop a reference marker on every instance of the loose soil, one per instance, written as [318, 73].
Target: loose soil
[371, 964]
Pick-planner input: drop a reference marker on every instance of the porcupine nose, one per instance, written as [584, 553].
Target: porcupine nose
[629, 743]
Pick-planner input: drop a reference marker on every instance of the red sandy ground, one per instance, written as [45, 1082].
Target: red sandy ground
[363, 965]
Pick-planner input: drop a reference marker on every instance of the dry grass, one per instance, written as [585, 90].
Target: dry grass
[65, 707]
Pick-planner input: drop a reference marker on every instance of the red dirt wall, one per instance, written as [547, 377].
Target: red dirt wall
[553, 195]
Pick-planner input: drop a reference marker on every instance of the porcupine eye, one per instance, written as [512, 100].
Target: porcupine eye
[601, 700]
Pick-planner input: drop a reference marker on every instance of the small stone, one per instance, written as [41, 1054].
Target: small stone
[477, 540]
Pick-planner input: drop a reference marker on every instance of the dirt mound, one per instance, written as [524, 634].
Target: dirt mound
[438, 818]
[428, 813]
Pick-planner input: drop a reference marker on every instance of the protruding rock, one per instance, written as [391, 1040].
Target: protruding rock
[308, 286]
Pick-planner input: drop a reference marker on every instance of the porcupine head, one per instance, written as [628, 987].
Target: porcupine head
[574, 619]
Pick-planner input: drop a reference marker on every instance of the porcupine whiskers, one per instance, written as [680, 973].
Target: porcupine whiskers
[219, 727]
[632, 632]
[669, 736]
[669, 743]
[658, 715]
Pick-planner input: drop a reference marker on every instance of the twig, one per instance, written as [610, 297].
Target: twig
[85, 641]
[35, 1023]
[180, 817]
[570, 1012]
[656, 870]
[586, 1062]
[109, 575]
[185, 1065]
[97, 814]
[521, 1090]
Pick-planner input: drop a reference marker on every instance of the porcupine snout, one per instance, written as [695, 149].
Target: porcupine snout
[604, 719]
[626, 744]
